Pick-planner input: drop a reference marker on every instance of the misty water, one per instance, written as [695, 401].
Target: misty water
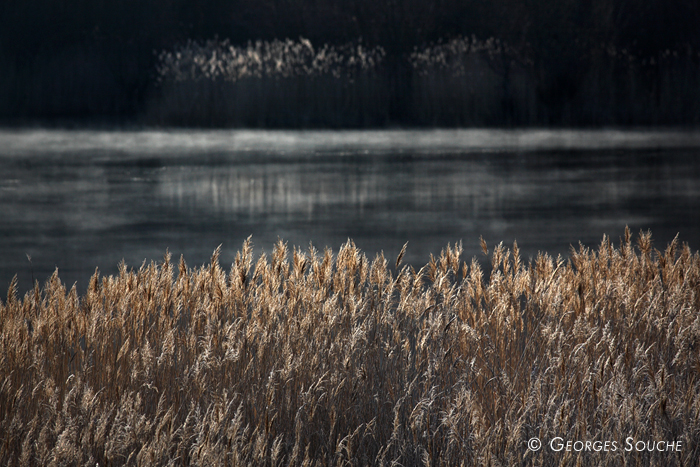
[81, 200]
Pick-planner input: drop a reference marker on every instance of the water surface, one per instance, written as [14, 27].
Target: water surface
[80, 200]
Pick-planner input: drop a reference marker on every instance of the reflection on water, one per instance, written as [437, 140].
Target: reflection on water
[80, 200]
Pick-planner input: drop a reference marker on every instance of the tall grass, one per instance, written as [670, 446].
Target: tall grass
[315, 358]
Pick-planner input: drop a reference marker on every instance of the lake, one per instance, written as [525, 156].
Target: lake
[77, 200]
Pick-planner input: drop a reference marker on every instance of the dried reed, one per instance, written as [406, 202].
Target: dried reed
[316, 358]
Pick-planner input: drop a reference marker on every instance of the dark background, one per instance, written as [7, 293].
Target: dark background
[94, 60]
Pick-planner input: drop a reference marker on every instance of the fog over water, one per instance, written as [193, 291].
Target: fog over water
[80, 200]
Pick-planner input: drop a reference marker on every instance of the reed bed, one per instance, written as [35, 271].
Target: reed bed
[313, 358]
[460, 82]
[270, 84]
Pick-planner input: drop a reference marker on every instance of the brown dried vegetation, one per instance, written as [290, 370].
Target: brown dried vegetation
[312, 358]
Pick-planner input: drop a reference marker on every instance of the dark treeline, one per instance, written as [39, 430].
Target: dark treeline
[554, 62]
